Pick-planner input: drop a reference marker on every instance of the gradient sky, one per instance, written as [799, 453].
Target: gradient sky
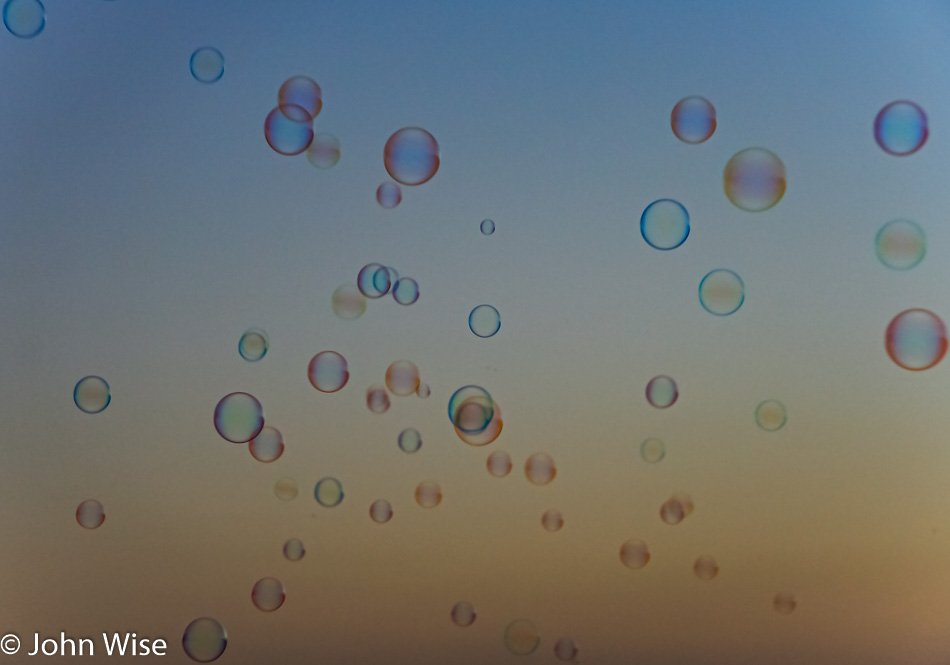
[146, 224]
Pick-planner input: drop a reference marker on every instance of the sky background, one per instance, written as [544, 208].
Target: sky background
[146, 224]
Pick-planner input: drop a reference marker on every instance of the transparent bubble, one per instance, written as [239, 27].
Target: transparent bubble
[916, 339]
[540, 469]
[207, 64]
[324, 151]
[253, 345]
[693, 119]
[300, 93]
[672, 512]
[92, 394]
[410, 440]
[754, 179]
[552, 520]
[463, 614]
[288, 131]
[348, 302]
[428, 494]
[634, 554]
[373, 280]
[484, 321]
[384, 279]
[285, 489]
[405, 291]
[900, 128]
[328, 492]
[388, 195]
[487, 226]
[381, 511]
[402, 378]
[662, 392]
[268, 445]
[664, 224]
[268, 594]
[721, 292]
[499, 464]
[471, 409]
[565, 649]
[238, 417]
[377, 399]
[770, 415]
[411, 156]
[900, 244]
[204, 640]
[784, 602]
[652, 450]
[294, 550]
[488, 434]
[90, 514]
[706, 568]
[522, 637]
[686, 501]
[328, 371]
[423, 390]
[24, 18]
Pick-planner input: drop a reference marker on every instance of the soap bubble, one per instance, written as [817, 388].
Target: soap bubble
[288, 131]
[253, 345]
[784, 602]
[686, 501]
[662, 392]
[540, 469]
[916, 339]
[565, 649]
[285, 489]
[90, 514]
[463, 614]
[381, 511]
[377, 399]
[652, 450]
[706, 568]
[24, 18]
[423, 390]
[405, 291]
[487, 435]
[487, 226]
[324, 150]
[300, 93]
[328, 492]
[92, 394]
[348, 302]
[428, 494]
[373, 280]
[693, 119]
[770, 415]
[900, 244]
[207, 64]
[268, 445]
[402, 378]
[388, 195]
[204, 640]
[664, 224]
[522, 637]
[471, 409]
[328, 371]
[294, 550]
[900, 128]
[238, 417]
[268, 594]
[634, 554]
[754, 179]
[672, 512]
[552, 520]
[411, 156]
[484, 321]
[721, 292]
[410, 440]
[499, 464]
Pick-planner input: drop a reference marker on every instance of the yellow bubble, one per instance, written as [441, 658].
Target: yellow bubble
[286, 489]
[540, 469]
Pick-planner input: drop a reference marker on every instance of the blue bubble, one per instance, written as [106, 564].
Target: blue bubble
[207, 64]
[405, 291]
[488, 227]
[471, 409]
[900, 128]
[288, 130]
[253, 345]
[369, 281]
[484, 321]
[664, 224]
[24, 18]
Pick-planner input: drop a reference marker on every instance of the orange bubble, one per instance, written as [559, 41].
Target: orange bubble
[540, 469]
[402, 378]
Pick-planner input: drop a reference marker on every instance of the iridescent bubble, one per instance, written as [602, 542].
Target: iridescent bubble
[522, 637]
[373, 280]
[770, 415]
[328, 492]
[294, 550]
[411, 156]
[328, 371]
[693, 119]
[238, 417]
[484, 321]
[423, 390]
[377, 399]
[634, 554]
[706, 568]
[24, 18]
[499, 464]
[488, 434]
[463, 614]
[92, 394]
[487, 226]
[552, 520]
[90, 514]
[900, 244]
[471, 409]
[402, 378]
[916, 339]
[540, 469]
[672, 512]
[253, 345]
[207, 64]
[384, 279]
[664, 224]
[428, 494]
[721, 292]
[268, 594]
[405, 291]
[662, 392]
[410, 440]
[288, 131]
[348, 302]
[300, 93]
[754, 179]
[652, 450]
[268, 445]
[388, 195]
[285, 489]
[565, 649]
[324, 150]
[784, 602]
[381, 511]
[204, 640]
[900, 128]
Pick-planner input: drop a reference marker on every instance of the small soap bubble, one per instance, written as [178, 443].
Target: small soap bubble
[552, 520]
[463, 614]
[428, 494]
[268, 594]
[693, 119]
[672, 512]
[207, 64]
[324, 150]
[484, 321]
[373, 280]
[499, 464]
[238, 417]
[664, 224]
[328, 371]
[784, 602]
[754, 179]
[662, 392]
[377, 399]
[487, 227]
[900, 128]
[405, 291]
[253, 345]
[381, 511]
[402, 378]
[24, 18]
[348, 302]
[288, 131]
[916, 339]
[204, 640]
[686, 501]
[471, 409]
[706, 568]
[488, 434]
[300, 93]
[900, 244]
[328, 492]
[294, 550]
[423, 390]
[721, 292]
[411, 156]
[770, 415]
[565, 649]
[410, 440]
[268, 445]
[285, 489]
[388, 195]
[92, 394]
[634, 554]
[652, 450]
[522, 637]
[90, 514]
[540, 469]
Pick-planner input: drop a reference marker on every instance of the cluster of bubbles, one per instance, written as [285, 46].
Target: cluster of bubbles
[411, 157]
[373, 281]
[288, 127]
